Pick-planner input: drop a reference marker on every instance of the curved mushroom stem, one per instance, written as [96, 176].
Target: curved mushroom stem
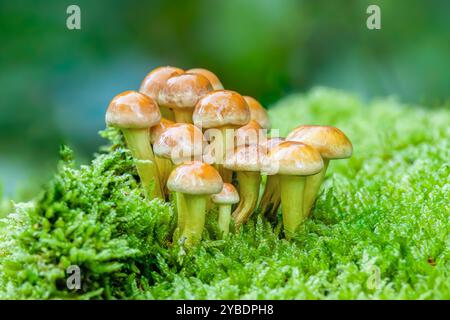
[139, 144]
[167, 113]
[224, 219]
[312, 187]
[292, 188]
[164, 168]
[193, 211]
[248, 192]
[183, 115]
[270, 200]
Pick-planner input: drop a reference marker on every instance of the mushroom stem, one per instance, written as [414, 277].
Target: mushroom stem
[248, 191]
[312, 187]
[292, 189]
[193, 211]
[139, 145]
[270, 200]
[183, 115]
[227, 143]
[167, 113]
[164, 168]
[181, 215]
[224, 219]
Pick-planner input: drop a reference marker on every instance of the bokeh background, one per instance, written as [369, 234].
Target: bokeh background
[55, 83]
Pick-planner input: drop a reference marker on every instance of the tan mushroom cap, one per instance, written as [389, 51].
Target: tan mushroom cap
[180, 142]
[244, 158]
[156, 130]
[251, 133]
[228, 195]
[270, 143]
[195, 178]
[132, 110]
[293, 158]
[184, 90]
[213, 79]
[331, 142]
[221, 108]
[156, 79]
[258, 113]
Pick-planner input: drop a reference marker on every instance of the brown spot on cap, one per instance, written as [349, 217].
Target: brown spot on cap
[184, 91]
[132, 110]
[195, 178]
[213, 79]
[331, 142]
[221, 108]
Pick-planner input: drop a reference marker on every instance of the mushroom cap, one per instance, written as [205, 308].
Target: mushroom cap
[184, 90]
[228, 195]
[221, 108]
[258, 112]
[156, 79]
[270, 143]
[331, 142]
[251, 133]
[213, 79]
[132, 110]
[293, 158]
[244, 158]
[156, 130]
[195, 178]
[180, 142]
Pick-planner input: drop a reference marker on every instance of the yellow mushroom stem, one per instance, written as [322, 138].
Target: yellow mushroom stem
[167, 113]
[270, 200]
[138, 142]
[292, 189]
[312, 187]
[183, 115]
[165, 167]
[224, 219]
[249, 182]
[191, 210]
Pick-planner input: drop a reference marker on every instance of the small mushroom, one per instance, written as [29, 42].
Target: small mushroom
[182, 92]
[258, 113]
[292, 161]
[331, 143]
[153, 83]
[225, 111]
[246, 162]
[134, 113]
[225, 199]
[215, 82]
[270, 200]
[193, 183]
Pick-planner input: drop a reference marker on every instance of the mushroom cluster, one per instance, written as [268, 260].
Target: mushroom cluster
[207, 148]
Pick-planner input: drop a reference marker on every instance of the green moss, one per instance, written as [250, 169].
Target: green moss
[380, 228]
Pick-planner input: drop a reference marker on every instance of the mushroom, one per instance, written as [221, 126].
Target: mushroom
[270, 200]
[246, 162]
[225, 111]
[331, 143]
[193, 183]
[134, 113]
[251, 133]
[292, 161]
[182, 92]
[215, 82]
[258, 113]
[153, 83]
[164, 165]
[225, 199]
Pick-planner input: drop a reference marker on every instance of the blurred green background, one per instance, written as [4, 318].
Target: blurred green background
[56, 83]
